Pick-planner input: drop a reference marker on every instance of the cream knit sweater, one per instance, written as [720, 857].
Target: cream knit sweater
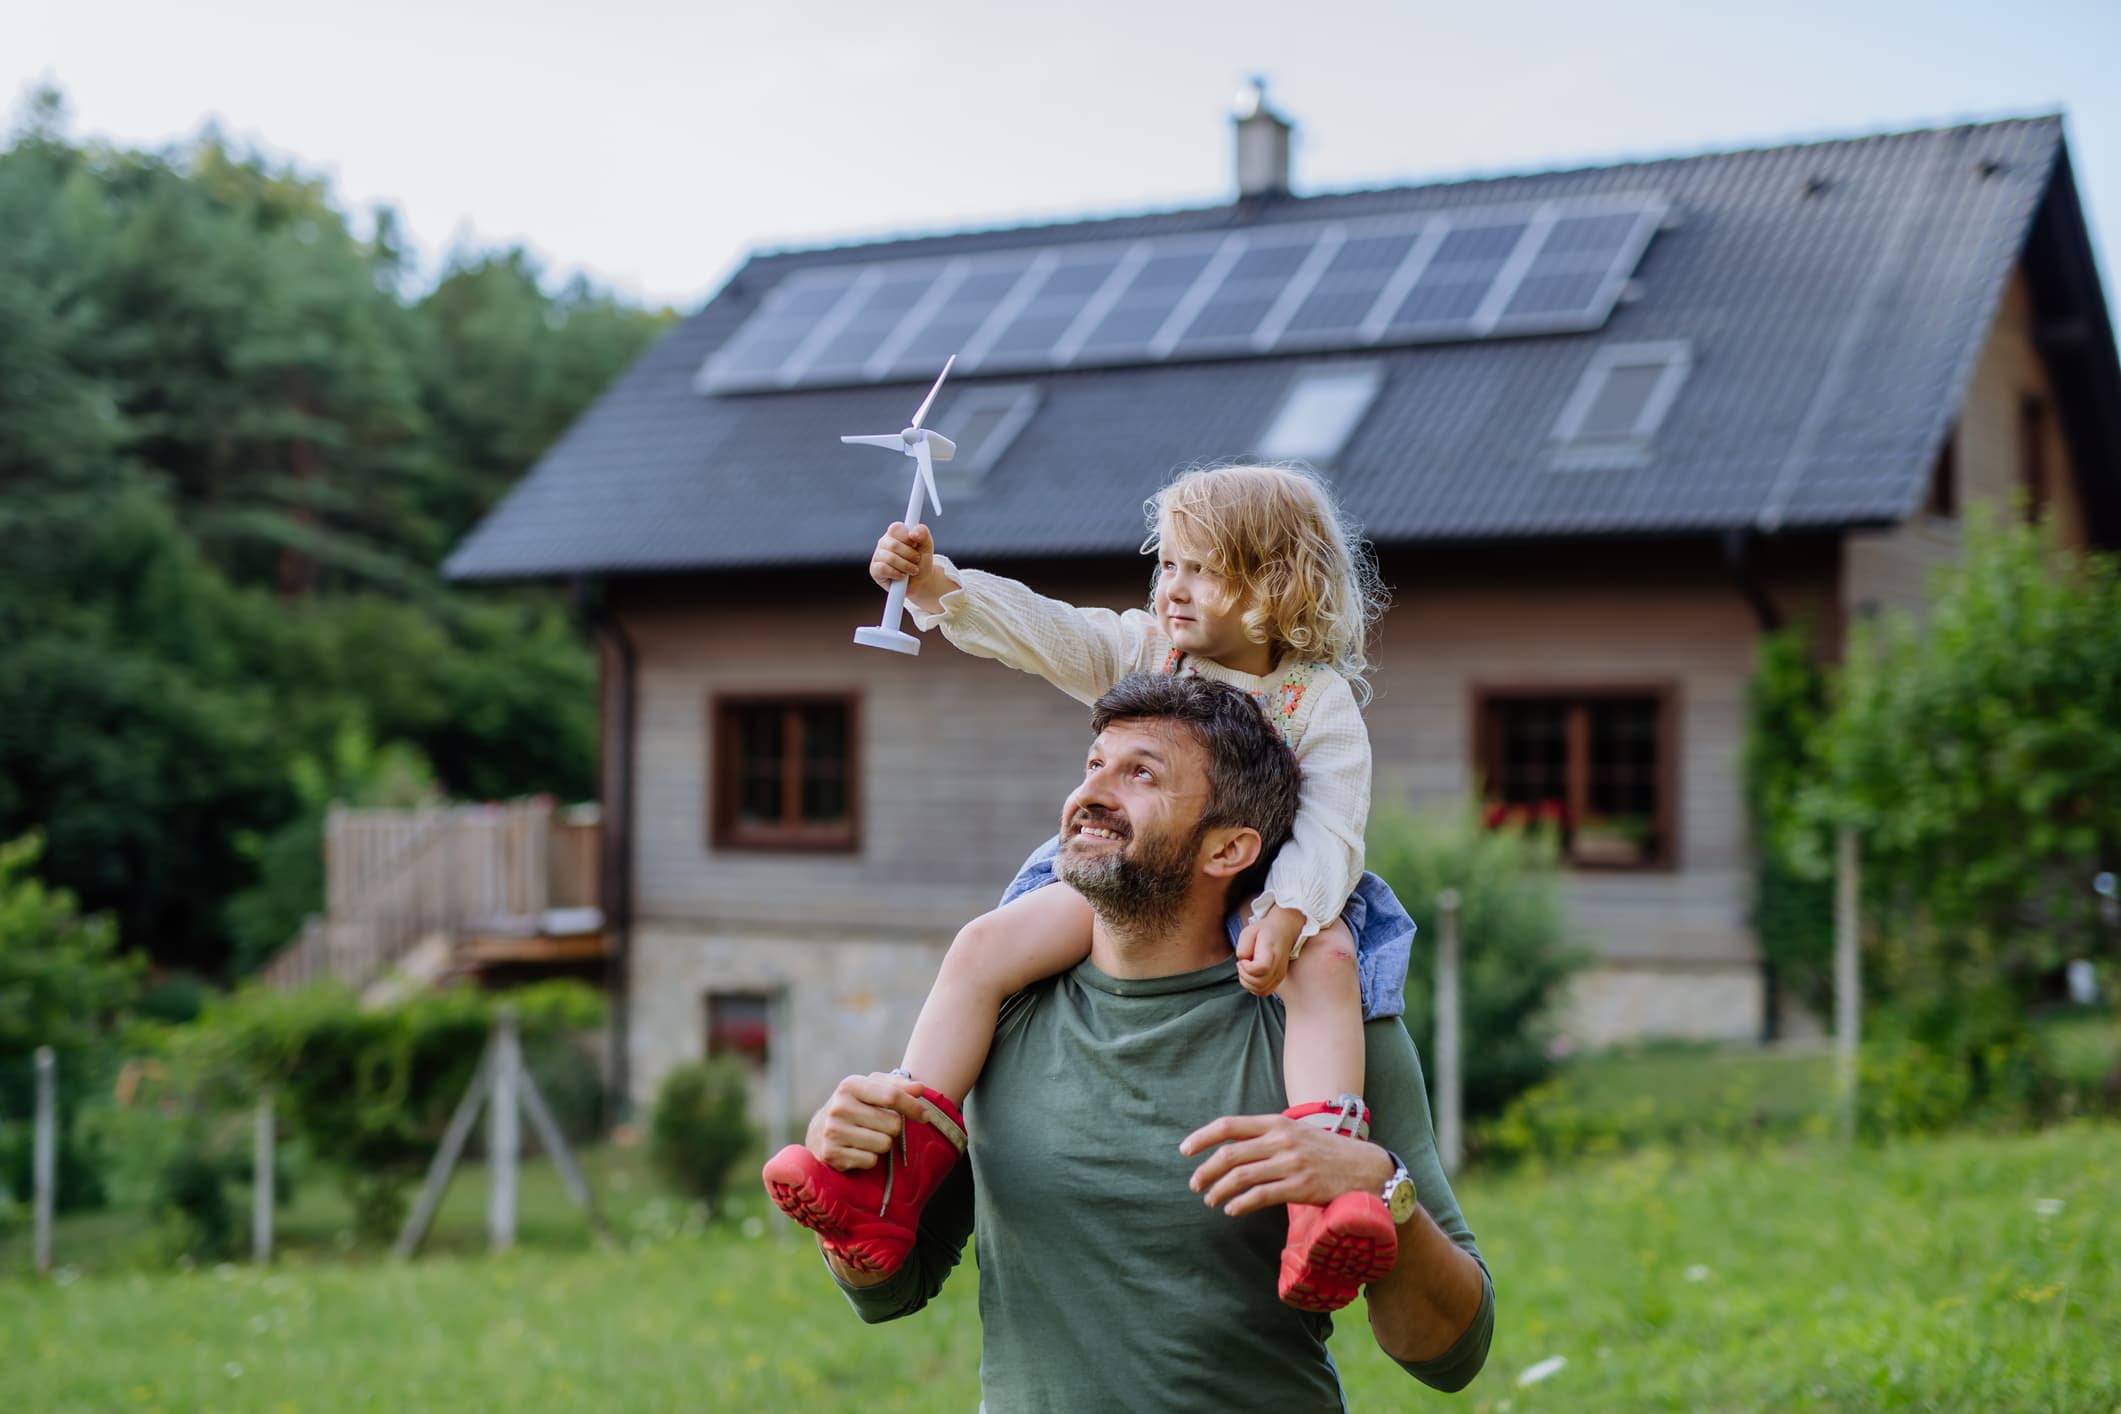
[1085, 651]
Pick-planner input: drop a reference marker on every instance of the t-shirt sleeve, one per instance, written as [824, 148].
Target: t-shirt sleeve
[1080, 651]
[1399, 1120]
[937, 1248]
[1316, 870]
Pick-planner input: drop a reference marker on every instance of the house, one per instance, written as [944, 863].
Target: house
[1605, 426]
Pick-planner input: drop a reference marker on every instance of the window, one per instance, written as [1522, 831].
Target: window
[982, 421]
[783, 773]
[1619, 403]
[740, 1024]
[1320, 413]
[2032, 453]
[1594, 766]
[1943, 502]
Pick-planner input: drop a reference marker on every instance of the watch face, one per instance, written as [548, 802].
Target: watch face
[1400, 1202]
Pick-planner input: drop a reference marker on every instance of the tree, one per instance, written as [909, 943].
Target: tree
[63, 984]
[1977, 758]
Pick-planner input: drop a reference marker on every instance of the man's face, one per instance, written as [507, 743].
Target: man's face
[1131, 832]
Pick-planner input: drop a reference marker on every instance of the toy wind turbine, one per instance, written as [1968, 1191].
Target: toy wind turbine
[926, 448]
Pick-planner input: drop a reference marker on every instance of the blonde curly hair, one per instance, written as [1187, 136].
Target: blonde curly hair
[1299, 568]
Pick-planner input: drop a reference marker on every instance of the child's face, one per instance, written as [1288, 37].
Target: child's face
[1197, 608]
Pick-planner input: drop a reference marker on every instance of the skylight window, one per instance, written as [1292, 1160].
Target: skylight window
[1622, 399]
[1320, 413]
[982, 421]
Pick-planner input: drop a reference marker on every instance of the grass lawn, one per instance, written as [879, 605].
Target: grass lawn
[1971, 1273]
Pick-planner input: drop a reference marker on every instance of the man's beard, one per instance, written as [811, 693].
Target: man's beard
[1137, 891]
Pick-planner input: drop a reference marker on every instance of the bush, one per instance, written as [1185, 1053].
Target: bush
[369, 1092]
[63, 984]
[700, 1128]
[1515, 962]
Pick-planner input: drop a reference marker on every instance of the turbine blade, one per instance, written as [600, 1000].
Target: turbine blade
[933, 391]
[940, 447]
[883, 439]
[927, 473]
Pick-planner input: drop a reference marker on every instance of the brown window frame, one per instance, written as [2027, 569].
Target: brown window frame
[725, 831]
[1487, 748]
[2032, 453]
[1943, 500]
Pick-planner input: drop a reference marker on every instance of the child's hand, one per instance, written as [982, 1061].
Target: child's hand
[1264, 949]
[910, 555]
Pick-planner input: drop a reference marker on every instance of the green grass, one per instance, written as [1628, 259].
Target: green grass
[1969, 1273]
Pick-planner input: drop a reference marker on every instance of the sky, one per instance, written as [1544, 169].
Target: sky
[650, 145]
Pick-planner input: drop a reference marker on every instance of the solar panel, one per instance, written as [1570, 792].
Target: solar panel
[1407, 278]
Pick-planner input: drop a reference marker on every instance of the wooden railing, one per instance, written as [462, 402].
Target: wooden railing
[396, 877]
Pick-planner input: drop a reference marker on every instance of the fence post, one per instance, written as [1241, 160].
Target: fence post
[44, 1159]
[1848, 979]
[503, 1136]
[262, 1180]
[1450, 1079]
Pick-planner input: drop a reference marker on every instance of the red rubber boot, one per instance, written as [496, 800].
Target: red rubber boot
[1333, 1251]
[867, 1217]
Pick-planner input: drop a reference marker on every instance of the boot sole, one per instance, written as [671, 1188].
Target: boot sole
[796, 1193]
[1339, 1264]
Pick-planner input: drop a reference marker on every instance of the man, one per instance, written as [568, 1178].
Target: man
[1128, 1238]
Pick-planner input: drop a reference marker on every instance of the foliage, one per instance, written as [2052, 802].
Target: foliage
[1971, 1273]
[699, 1127]
[233, 448]
[1515, 960]
[367, 1091]
[1977, 759]
[1619, 1101]
[1793, 909]
[63, 984]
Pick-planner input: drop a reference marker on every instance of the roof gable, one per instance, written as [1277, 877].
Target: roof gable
[1832, 298]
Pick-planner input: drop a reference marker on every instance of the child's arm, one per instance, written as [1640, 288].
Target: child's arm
[1080, 651]
[1311, 878]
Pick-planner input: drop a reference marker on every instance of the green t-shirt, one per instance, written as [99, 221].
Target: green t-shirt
[1104, 1282]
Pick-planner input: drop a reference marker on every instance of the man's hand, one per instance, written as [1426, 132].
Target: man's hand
[1271, 1159]
[910, 555]
[862, 1120]
[1264, 949]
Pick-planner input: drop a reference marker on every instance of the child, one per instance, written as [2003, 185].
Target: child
[1261, 584]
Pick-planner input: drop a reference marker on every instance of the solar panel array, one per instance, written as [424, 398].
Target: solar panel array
[1414, 278]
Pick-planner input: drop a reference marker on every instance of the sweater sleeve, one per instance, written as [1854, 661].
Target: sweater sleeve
[1317, 869]
[1080, 651]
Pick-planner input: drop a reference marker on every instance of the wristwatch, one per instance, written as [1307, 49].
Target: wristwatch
[1399, 1191]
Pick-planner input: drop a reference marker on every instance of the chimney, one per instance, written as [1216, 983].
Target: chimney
[1262, 144]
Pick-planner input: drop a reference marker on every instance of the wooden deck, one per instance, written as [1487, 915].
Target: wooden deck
[430, 894]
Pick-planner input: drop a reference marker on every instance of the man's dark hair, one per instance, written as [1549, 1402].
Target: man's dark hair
[1252, 775]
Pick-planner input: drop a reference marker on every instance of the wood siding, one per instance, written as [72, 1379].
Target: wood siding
[1891, 569]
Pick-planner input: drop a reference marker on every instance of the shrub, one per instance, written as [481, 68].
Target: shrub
[63, 984]
[369, 1092]
[700, 1128]
[1516, 963]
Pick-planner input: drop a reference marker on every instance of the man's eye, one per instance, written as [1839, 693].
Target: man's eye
[1145, 773]
[1092, 765]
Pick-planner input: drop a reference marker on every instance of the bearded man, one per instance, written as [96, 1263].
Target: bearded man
[1129, 1166]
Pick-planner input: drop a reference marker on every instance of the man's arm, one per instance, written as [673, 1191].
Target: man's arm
[1434, 1312]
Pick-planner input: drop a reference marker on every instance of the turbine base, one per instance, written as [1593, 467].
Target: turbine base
[894, 640]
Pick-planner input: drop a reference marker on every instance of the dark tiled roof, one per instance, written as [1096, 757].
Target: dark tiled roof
[1834, 295]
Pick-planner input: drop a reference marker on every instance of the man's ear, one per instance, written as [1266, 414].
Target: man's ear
[1229, 851]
